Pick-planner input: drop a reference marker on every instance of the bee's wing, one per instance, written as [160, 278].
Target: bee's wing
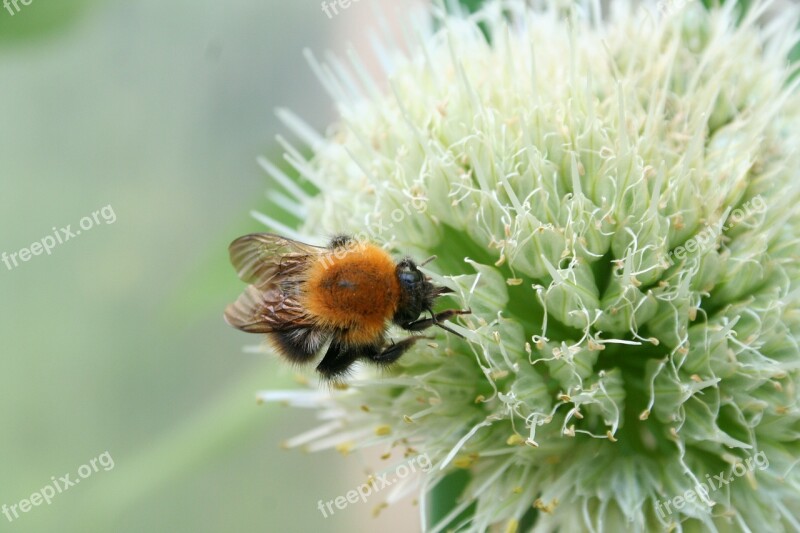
[263, 310]
[264, 258]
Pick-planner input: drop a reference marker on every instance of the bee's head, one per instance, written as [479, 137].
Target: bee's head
[417, 293]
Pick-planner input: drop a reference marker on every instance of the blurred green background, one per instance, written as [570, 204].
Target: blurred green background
[115, 342]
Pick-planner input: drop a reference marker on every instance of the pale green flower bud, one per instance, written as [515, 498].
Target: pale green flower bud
[618, 202]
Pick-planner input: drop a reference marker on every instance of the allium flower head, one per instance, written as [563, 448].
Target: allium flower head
[616, 199]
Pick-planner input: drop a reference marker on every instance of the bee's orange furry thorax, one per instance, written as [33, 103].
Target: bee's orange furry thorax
[355, 289]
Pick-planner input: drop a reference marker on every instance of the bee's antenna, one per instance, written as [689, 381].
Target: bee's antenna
[428, 260]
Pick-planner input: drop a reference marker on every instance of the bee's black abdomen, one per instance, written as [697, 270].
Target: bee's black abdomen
[340, 357]
[299, 344]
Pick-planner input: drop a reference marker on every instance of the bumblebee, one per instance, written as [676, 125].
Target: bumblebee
[344, 296]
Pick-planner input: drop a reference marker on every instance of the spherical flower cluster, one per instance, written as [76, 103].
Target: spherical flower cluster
[615, 196]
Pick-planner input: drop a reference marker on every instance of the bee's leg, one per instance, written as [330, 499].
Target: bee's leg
[436, 320]
[392, 353]
[337, 360]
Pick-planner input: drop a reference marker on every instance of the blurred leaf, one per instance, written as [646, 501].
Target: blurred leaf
[445, 498]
